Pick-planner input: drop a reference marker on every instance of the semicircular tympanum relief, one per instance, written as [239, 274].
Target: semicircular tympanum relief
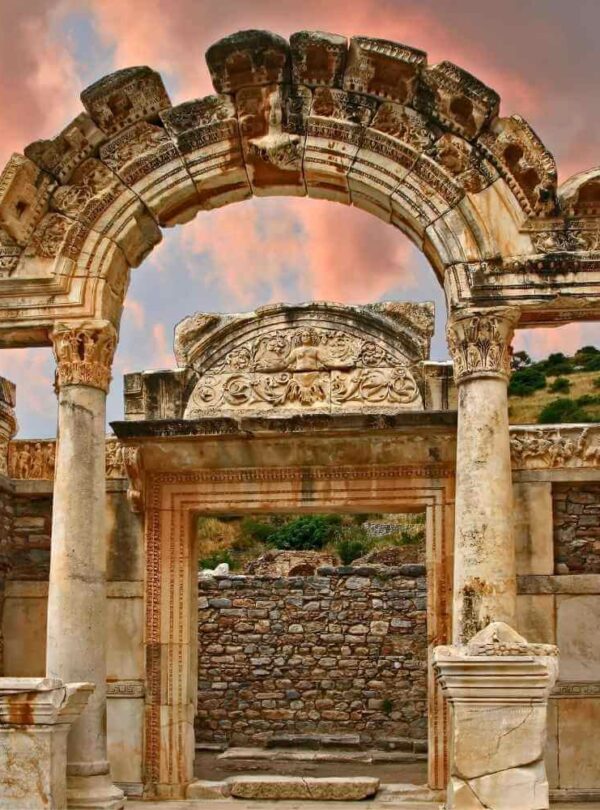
[317, 357]
[288, 359]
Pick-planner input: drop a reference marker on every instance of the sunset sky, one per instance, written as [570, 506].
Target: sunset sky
[539, 55]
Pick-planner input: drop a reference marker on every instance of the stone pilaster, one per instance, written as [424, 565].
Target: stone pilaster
[8, 428]
[497, 687]
[8, 422]
[76, 641]
[484, 555]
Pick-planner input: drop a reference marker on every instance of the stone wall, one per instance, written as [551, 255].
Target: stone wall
[340, 653]
[30, 554]
[577, 527]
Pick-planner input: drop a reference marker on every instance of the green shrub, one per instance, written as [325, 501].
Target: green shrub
[408, 538]
[588, 399]
[217, 558]
[309, 533]
[256, 530]
[387, 706]
[350, 548]
[560, 386]
[520, 360]
[526, 381]
[588, 358]
[556, 364]
[563, 410]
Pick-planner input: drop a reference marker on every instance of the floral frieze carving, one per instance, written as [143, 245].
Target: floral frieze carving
[295, 358]
[556, 446]
[479, 343]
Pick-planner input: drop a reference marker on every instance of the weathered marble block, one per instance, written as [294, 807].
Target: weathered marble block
[498, 687]
[35, 717]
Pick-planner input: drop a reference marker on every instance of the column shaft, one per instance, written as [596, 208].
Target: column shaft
[484, 554]
[76, 639]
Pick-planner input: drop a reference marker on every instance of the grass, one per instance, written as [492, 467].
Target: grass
[525, 410]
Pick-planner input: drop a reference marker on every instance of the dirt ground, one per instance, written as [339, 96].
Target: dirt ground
[209, 766]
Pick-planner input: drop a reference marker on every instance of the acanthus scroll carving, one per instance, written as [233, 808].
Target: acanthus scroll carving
[84, 354]
[479, 343]
[306, 367]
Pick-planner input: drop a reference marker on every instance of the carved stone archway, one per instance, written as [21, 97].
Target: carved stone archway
[367, 123]
[370, 124]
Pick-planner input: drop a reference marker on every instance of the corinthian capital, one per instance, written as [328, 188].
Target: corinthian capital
[84, 353]
[479, 342]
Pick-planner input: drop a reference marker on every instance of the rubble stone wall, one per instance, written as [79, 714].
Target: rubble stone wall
[30, 553]
[343, 653]
[577, 526]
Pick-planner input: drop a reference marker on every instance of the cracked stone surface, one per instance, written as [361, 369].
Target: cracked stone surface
[297, 787]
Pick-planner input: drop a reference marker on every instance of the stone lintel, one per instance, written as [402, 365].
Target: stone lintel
[313, 423]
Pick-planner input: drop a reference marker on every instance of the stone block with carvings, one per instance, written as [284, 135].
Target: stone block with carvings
[498, 687]
[317, 357]
[35, 717]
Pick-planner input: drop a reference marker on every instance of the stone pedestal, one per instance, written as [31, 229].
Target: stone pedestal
[35, 717]
[484, 554]
[76, 641]
[498, 688]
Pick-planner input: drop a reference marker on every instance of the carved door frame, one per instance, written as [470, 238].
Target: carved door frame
[173, 499]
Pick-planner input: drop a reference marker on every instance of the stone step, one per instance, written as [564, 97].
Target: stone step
[309, 755]
[287, 788]
[282, 788]
[314, 741]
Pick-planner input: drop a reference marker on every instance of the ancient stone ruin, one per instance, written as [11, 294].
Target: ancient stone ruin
[298, 409]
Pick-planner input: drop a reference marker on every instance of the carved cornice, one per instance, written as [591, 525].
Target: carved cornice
[84, 354]
[479, 342]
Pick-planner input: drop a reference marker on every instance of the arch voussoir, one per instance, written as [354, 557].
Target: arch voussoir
[206, 134]
[365, 122]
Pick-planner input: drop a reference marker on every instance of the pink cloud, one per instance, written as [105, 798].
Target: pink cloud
[327, 250]
[137, 311]
[187, 28]
[32, 371]
[162, 351]
[566, 339]
[39, 87]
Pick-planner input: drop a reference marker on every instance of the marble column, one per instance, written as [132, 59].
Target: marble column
[484, 555]
[76, 640]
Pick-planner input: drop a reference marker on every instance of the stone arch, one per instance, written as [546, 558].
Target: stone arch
[367, 123]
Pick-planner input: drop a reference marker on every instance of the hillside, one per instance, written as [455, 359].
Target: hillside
[558, 389]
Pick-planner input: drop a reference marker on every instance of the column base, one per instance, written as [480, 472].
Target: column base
[497, 687]
[93, 793]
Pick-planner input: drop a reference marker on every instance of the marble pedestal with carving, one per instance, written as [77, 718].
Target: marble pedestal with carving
[498, 687]
[35, 717]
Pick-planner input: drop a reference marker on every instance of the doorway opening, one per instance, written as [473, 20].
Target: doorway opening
[312, 646]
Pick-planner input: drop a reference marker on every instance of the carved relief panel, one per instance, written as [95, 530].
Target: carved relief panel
[314, 357]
